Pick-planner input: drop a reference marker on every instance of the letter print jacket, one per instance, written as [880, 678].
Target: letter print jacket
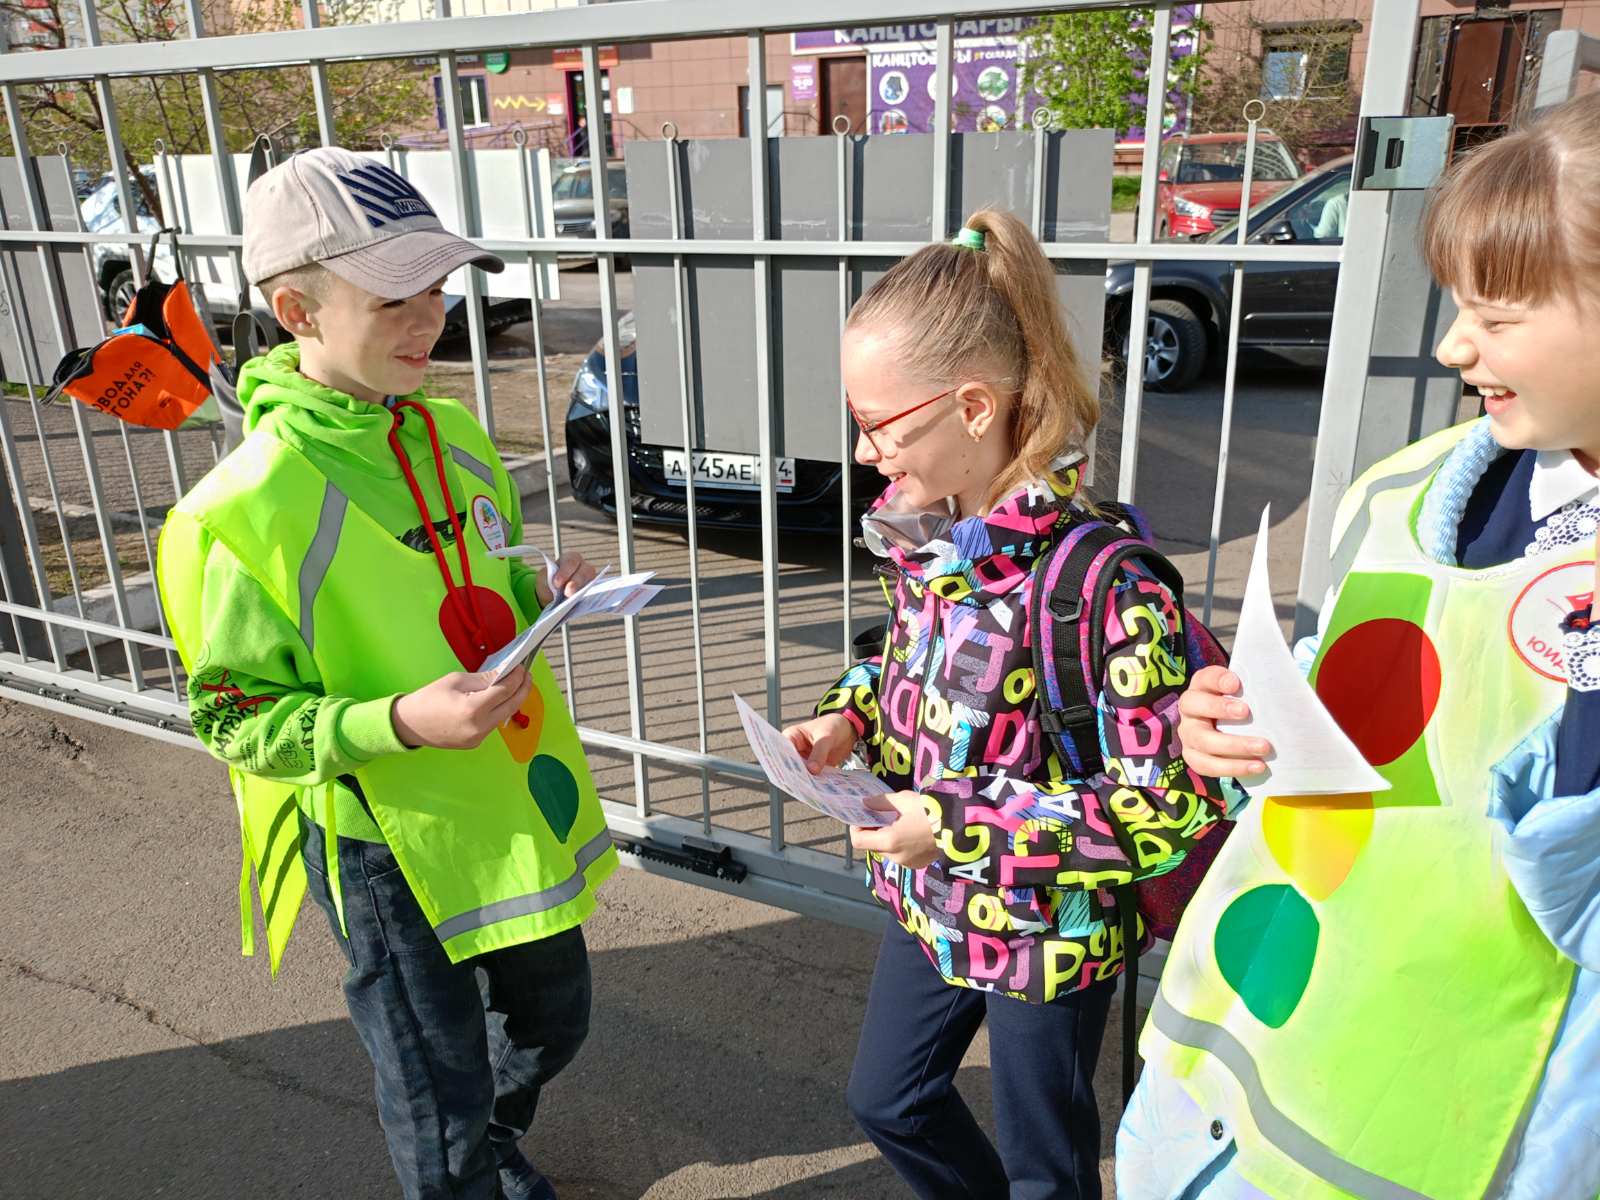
[1019, 899]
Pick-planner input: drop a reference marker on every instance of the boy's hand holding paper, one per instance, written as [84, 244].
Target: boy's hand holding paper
[620, 596]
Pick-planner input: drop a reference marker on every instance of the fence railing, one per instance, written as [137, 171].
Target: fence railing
[86, 494]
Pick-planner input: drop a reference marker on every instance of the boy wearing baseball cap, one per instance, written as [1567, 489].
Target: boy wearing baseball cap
[332, 594]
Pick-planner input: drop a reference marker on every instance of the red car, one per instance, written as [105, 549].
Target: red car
[1200, 177]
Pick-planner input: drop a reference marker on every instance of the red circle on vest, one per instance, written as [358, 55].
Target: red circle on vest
[499, 626]
[1380, 681]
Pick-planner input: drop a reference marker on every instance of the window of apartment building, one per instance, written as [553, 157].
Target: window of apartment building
[1309, 62]
[474, 91]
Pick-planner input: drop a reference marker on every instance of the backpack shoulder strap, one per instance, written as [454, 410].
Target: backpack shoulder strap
[1067, 617]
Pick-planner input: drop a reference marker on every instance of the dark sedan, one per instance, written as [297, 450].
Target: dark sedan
[1288, 306]
[727, 485]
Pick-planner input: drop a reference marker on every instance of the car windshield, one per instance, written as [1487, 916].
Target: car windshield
[1311, 185]
[1223, 162]
[102, 208]
[579, 185]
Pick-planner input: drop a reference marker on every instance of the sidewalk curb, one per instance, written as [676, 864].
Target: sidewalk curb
[527, 472]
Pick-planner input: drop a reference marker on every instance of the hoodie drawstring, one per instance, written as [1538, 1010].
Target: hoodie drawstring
[471, 618]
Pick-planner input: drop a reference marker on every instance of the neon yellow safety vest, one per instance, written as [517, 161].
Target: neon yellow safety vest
[502, 844]
[1357, 991]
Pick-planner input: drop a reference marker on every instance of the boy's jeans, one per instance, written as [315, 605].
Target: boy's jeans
[459, 1050]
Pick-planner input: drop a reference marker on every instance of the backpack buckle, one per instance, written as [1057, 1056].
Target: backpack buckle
[1057, 604]
[1079, 718]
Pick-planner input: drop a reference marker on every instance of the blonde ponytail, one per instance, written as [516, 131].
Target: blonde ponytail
[992, 315]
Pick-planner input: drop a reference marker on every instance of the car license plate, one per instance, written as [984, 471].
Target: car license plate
[712, 468]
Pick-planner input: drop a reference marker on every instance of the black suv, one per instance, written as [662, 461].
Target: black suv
[1288, 306]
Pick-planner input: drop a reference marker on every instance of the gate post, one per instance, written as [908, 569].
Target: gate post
[1382, 390]
[1567, 54]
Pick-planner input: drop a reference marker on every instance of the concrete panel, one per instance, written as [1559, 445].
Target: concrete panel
[40, 348]
[880, 204]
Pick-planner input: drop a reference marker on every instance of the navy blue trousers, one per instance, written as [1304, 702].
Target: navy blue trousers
[459, 1051]
[902, 1088]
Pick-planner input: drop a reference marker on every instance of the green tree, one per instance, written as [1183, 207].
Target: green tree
[369, 98]
[1090, 67]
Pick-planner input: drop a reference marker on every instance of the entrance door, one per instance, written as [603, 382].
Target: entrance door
[1483, 75]
[578, 124]
[844, 91]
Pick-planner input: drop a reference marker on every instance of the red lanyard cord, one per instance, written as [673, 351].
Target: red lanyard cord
[471, 619]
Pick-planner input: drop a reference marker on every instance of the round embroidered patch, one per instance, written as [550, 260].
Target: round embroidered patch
[1534, 623]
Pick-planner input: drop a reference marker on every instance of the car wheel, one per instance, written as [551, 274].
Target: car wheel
[1175, 346]
[1164, 232]
[119, 294]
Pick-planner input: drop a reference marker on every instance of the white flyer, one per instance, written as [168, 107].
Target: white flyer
[1311, 755]
[602, 596]
[841, 795]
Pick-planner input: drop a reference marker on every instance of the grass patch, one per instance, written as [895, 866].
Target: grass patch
[87, 552]
[1124, 193]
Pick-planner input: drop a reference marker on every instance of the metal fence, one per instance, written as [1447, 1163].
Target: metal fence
[682, 802]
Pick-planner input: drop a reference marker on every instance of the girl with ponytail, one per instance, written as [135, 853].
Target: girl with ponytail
[1000, 863]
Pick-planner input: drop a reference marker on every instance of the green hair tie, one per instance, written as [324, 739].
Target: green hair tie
[971, 239]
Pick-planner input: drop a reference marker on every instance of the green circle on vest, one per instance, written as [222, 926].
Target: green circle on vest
[1266, 942]
[556, 793]
[496, 61]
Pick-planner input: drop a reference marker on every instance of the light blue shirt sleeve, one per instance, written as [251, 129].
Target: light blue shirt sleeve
[1550, 845]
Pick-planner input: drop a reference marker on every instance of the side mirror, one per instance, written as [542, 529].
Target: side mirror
[1163, 177]
[1279, 232]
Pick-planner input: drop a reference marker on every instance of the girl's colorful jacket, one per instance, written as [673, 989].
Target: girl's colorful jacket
[1020, 898]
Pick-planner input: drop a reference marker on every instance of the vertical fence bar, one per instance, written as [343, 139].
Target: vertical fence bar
[606, 265]
[11, 568]
[320, 90]
[467, 204]
[944, 55]
[118, 158]
[13, 466]
[841, 143]
[533, 223]
[761, 269]
[227, 177]
[113, 131]
[1391, 44]
[691, 440]
[1042, 117]
[1235, 309]
[184, 224]
[56, 506]
[1139, 308]
[149, 547]
[58, 317]
[222, 167]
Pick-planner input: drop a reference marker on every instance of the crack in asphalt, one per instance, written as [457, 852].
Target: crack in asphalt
[238, 1063]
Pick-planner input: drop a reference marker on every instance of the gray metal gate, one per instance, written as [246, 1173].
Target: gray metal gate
[79, 631]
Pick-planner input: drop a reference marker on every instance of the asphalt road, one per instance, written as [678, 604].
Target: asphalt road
[144, 1057]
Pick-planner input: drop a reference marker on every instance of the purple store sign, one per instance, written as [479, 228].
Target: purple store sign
[812, 40]
[983, 90]
[984, 94]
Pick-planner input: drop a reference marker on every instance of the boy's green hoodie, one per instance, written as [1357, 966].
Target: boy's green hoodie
[255, 697]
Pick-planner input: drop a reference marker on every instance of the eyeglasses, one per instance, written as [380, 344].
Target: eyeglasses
[871, 427]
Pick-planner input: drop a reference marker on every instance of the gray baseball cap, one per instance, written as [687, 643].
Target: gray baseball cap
[363, 221]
